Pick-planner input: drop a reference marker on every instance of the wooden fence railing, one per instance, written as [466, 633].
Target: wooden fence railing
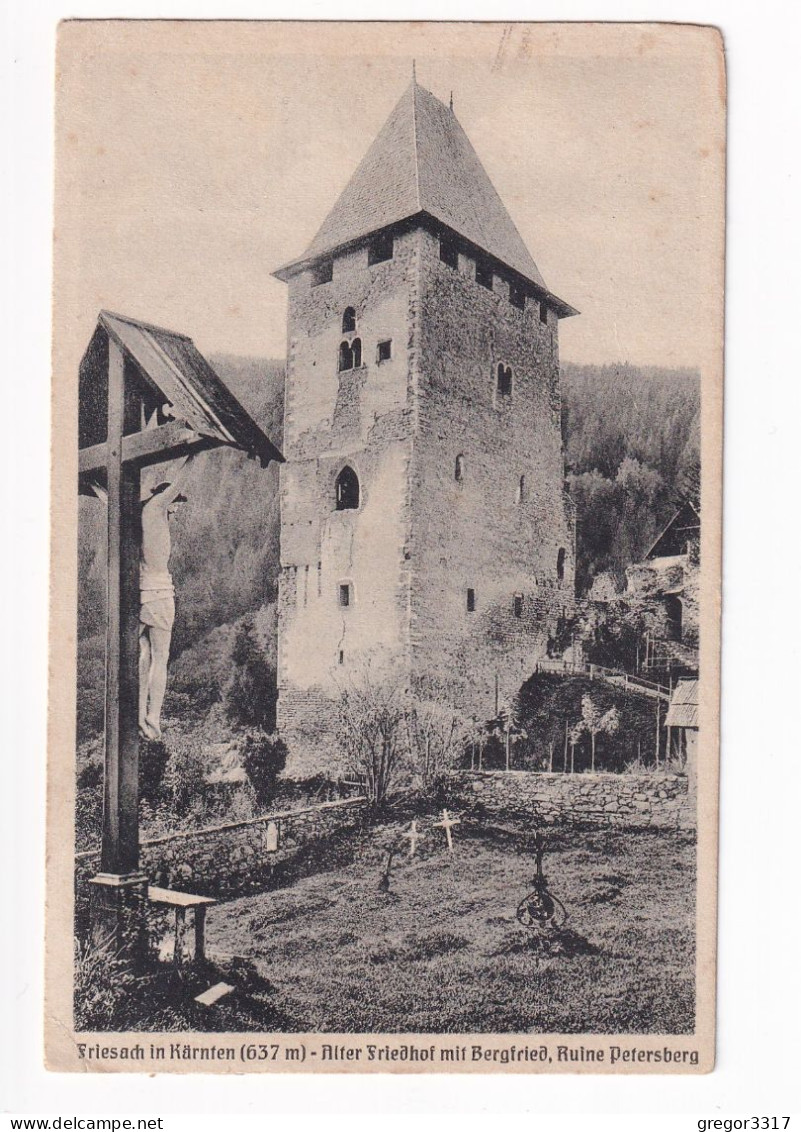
[625, 680]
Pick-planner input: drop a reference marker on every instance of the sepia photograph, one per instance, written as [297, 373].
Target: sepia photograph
[387, 409]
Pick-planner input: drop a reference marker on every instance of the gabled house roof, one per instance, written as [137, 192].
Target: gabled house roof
[423, 164]
[683, 708]
[672, 540]
[170, 364]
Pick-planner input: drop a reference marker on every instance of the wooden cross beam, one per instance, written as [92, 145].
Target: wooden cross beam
[150, 446]
[120, 843]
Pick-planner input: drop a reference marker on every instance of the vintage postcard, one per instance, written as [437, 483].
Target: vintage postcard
[387, 400]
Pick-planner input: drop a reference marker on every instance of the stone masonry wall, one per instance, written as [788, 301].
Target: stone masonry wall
[656, 801]
[486, 531]
[361, 418]
[420, 537]
[232, 859]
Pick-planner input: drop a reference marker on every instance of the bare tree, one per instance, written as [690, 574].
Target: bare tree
[575, 734]
[436, 735]
[595, 723]
[372, 733]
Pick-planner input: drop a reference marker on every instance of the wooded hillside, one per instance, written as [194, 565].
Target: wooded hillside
[632, 450]
[225, 538]
[632, 444]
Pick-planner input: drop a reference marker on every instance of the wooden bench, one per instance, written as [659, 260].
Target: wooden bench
[181, 901]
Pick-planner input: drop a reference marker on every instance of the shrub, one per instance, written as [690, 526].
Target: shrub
[103, 984]
[251, 694]
[153, 758]
[91, 677]
[264, 757]
[372, 733]
[436, 736]
[185, 778]
[90, 776]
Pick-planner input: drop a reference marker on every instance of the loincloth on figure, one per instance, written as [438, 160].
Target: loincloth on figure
[158, 610]
[157, 602]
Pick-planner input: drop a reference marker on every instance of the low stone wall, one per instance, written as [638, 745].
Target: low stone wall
[235, 858]
[656, 801]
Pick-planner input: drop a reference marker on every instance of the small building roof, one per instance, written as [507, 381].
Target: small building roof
[672, 540]
[683, 707]
[172, 367]
[423, 164]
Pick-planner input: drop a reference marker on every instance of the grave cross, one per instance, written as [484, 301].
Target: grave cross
[412, 836]
[447, 824]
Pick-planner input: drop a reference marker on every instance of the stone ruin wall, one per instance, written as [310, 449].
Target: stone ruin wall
[362, 418]
[232, 859]
[419, 539]
[478, 532]
[629, 801]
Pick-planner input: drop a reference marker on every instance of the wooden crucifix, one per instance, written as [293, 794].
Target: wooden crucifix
[135, 375]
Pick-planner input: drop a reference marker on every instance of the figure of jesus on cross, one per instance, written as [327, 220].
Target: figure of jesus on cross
[156, 591]
[161, 494]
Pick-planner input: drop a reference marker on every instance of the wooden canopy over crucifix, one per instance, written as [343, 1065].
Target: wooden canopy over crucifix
[135, 375]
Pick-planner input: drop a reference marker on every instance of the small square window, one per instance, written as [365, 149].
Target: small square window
[381, 248]
[518, 605]
[484, 273]
[385, 350]
[344, 594]
[448, 252]
[544, 312]
[517, 296]
[471, 601]
[322, 272]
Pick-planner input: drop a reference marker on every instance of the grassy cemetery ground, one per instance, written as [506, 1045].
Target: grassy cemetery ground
[442, 950]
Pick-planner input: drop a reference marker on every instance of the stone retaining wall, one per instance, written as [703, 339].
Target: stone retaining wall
[656, 801]
[235, 858]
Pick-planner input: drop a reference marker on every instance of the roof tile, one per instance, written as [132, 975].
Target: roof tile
[423, 162]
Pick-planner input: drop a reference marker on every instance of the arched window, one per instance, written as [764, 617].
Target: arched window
[458, 473]
[349, 321]
[560, 563]
[347, 490]
[504, 380]
[350, 354]
[345, 356]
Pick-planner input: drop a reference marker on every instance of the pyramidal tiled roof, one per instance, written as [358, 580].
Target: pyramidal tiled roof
[423, 162]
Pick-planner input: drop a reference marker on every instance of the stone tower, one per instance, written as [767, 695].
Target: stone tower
[424, 520]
